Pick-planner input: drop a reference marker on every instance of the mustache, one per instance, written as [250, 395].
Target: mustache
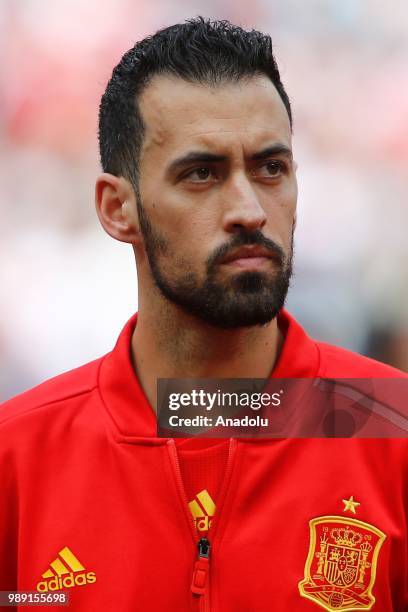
[255, 238]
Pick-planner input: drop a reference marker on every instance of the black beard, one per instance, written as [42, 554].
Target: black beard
[244, 300]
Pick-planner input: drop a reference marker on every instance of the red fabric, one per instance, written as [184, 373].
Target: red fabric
[202, 470]
[80, 467]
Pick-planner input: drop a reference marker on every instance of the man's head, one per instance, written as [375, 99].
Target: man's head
[195, 119]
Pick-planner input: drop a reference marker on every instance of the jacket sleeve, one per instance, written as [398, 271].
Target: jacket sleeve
[8, 515]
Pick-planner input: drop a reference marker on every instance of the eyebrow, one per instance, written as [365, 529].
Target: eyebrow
[276, 149]
[200, 157]
[205, 157]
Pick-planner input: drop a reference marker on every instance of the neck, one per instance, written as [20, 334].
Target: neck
[168, 343]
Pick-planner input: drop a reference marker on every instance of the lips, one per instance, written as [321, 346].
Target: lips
[254, 252]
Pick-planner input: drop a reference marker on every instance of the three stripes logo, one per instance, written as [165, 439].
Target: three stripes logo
[202, 508]
[65, 571]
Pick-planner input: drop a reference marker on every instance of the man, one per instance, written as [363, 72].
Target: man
[199, 177]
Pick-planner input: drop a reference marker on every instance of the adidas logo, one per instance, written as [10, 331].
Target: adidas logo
[65, 572]
[202, 508]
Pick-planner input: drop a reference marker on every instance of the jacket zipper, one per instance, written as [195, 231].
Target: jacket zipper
[201, 574]
[199, 583]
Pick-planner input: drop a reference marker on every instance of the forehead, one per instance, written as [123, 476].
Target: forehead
[177, 114]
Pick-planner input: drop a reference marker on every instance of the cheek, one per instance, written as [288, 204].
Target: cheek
[188, 238]
[187, 225]
[288, 197]
[281, 213]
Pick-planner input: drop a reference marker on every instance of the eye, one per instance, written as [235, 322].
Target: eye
[272, 169]
[199, 175]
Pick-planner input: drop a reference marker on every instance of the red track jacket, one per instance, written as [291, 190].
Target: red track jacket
[92, 501]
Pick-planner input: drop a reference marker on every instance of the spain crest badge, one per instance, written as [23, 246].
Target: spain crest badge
[341, 565]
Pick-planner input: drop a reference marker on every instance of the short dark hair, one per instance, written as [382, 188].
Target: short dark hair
[199, 50]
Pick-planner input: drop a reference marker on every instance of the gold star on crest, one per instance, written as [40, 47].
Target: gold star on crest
[350, 505]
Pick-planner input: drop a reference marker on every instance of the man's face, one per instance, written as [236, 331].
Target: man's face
[218, 198]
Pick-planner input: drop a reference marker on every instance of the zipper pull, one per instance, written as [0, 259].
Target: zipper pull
[201, 567]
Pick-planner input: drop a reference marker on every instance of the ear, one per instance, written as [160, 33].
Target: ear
[115, 202]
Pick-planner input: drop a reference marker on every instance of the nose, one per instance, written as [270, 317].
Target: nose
[242, 208]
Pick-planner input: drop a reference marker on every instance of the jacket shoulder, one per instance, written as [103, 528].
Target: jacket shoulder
[71, 384]
[338, 362]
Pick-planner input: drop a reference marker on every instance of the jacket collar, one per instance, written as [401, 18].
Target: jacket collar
[128, 406]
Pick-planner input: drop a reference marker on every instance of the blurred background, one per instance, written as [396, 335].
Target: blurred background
[67, 288]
